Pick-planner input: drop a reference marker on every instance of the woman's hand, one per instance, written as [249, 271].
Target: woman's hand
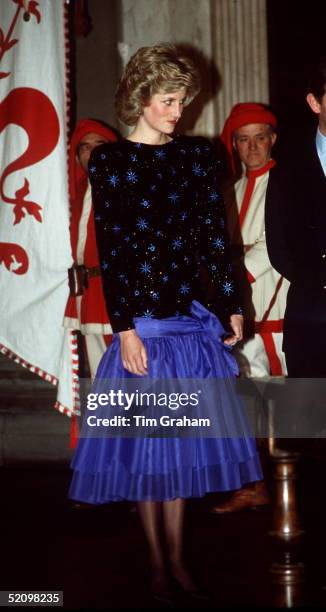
[236, 323]
[133, 352]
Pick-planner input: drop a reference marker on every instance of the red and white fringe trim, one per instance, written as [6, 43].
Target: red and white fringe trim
[53, 379]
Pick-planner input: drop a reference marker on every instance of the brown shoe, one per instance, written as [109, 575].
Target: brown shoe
[250, 497]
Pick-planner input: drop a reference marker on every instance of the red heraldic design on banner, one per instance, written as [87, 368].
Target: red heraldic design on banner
[14, 257]
[35, 251]
[19, 108]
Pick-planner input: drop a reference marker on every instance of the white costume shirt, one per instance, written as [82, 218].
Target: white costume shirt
[265, 302]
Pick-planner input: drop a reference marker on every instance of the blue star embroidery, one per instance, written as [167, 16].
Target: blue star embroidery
[142, 224]
[148, 314]
[145, 268]
[173, 197]
[98, 218]
[152, 247]
[131, 176]
[113, 252]
[176, 244]
[165, 278]
[227, 288]
[133, 157]
[105, 265]
[184, 288]
[113, 179]
[213, 196]
[218, 243]
[153, 187]
[116, 228]
[107, 204]
[160, 154]
[174, 265]
[92, 169]
[159, 233]
[197, 170]
[127, 238]
[183, 216]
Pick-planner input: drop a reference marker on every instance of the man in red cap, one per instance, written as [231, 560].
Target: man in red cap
[86, 309]
[249, 135]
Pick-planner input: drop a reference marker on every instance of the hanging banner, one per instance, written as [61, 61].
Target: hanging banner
[34, 211]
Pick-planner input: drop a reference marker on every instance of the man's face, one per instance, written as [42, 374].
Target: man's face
[86, 146]
[254, 143]
[320, 109]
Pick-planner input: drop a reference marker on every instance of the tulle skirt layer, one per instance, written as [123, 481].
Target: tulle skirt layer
[144, 468]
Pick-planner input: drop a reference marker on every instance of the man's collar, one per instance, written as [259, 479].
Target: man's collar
[320, 141]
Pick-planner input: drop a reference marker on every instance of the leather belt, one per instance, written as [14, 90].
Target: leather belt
[78, 276]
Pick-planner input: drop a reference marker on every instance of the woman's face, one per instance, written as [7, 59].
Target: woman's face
[164, 111]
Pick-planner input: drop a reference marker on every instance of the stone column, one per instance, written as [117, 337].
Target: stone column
[240, 52]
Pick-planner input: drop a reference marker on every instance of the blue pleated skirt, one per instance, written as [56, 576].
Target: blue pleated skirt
[143, 468]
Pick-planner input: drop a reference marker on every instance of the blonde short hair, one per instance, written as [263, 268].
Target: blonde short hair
[152, 70]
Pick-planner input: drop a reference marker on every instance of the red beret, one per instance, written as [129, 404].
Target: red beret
[243, 114]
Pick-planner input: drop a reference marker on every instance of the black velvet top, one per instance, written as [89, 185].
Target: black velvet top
[160, 230]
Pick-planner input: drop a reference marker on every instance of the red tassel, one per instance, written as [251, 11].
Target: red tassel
[74, 432]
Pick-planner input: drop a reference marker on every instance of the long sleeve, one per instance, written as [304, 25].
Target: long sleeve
[214, 245]
[111, 226]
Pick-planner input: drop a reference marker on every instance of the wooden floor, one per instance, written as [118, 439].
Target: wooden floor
[98, 556]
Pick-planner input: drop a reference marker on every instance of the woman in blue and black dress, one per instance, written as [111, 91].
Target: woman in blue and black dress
[160, 227]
